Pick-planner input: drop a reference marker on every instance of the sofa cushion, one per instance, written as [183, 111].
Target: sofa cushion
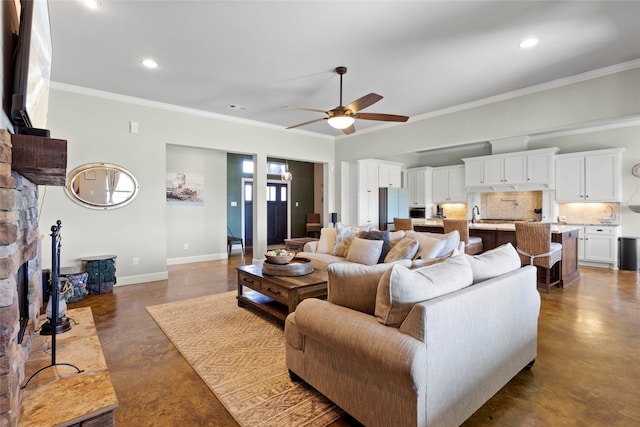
[400, 288]
[355, 285]
[452, 240]
[327, 240]
[377, 235]
[494, 262]
[364, 251]
[319, 260]
[405, 248]
[344, 236]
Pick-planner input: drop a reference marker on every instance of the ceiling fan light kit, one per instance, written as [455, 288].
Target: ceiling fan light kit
[343, 117]
[341, 122]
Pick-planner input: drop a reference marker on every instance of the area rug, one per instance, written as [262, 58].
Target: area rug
[240, 355]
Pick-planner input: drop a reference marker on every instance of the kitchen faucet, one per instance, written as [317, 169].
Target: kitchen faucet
[473, 213]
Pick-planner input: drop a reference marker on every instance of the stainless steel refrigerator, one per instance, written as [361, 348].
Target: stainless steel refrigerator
[393, 203]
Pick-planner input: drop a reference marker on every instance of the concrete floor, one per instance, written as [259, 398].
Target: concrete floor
[587, 372]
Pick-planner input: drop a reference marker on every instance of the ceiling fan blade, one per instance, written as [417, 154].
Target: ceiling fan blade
[305, 109]
[348, 131]
[382, 117]
[307, 123]
[364, 102]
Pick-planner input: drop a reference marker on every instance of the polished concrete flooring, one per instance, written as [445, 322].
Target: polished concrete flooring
[587, 372]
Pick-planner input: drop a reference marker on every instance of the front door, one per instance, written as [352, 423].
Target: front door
[276, 213]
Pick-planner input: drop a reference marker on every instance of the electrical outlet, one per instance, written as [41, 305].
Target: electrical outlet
[136, 260]
[186, 246]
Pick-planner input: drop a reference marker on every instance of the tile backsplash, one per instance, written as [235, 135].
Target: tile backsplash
[518, 205]
[589, 213]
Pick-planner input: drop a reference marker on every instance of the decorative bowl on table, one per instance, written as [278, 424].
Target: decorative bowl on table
[279, 256]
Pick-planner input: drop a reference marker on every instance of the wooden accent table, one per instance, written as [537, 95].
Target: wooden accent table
[278, 295]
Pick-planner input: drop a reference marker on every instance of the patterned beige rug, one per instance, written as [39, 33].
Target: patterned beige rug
[240, 354]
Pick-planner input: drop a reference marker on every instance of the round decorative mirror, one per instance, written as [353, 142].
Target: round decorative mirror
[101, 186]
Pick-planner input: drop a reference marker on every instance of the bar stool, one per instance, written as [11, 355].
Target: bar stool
[533, 243]
[472, 244]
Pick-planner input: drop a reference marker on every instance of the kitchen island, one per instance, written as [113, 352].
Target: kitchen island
[494, 235]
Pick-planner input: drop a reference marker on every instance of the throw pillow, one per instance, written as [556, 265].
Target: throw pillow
[377, 235]
[452, 240]
[364, 251]
[400, 288]
[344, 235]
[405, 248]
[394, 236]
[494, 262]
[327, 240]
[429, 247]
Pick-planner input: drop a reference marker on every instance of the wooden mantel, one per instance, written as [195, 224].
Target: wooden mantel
[40, 159]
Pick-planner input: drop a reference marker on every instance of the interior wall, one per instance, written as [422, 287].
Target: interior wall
[96, 126]
[193, 231]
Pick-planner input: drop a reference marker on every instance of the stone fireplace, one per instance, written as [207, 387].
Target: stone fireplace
[19, 256]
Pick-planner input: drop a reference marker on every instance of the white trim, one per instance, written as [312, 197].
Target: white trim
[176, 108]
[142, 278]
[196, 258]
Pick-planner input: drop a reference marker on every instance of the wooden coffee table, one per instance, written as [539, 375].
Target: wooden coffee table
[278, 295]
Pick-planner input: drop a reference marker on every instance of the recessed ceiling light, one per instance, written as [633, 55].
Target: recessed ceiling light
[149, 63]
[92, 4]
[526, 44]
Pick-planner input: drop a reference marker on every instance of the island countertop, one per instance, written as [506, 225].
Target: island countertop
[505, 226]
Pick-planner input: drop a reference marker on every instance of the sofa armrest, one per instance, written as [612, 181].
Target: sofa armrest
[310, 247]
[361, 337]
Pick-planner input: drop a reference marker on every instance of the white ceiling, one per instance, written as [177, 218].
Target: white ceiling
[422, 56]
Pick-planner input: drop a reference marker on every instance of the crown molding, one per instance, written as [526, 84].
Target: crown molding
[175, 108]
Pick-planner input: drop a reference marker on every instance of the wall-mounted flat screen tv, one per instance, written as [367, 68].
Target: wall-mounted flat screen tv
[32, 75]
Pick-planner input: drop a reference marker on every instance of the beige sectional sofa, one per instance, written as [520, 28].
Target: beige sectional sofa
[395, 346]
[362, 245]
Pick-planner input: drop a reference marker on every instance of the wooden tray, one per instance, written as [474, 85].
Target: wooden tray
[297, 267]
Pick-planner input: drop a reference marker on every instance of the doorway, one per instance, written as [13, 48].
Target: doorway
[277, 212]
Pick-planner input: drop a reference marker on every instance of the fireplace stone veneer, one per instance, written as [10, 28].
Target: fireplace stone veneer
[19, 244]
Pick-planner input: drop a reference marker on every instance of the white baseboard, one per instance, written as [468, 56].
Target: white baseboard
[198, 258]
[141, 278]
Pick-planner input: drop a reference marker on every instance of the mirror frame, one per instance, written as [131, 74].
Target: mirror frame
[90, 166]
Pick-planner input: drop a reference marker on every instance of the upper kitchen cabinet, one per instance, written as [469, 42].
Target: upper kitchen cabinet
[591, 176]
[519, 170]
[448, 184]
[389, 174]
[419, 186]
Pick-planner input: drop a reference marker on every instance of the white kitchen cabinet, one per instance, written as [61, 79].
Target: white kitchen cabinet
[593, 176]
[539, 167]
[389, 175]
[448, 184]
[417, 181]
[598, 244]
[515, 170]
[474, 172]
[373, 174]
